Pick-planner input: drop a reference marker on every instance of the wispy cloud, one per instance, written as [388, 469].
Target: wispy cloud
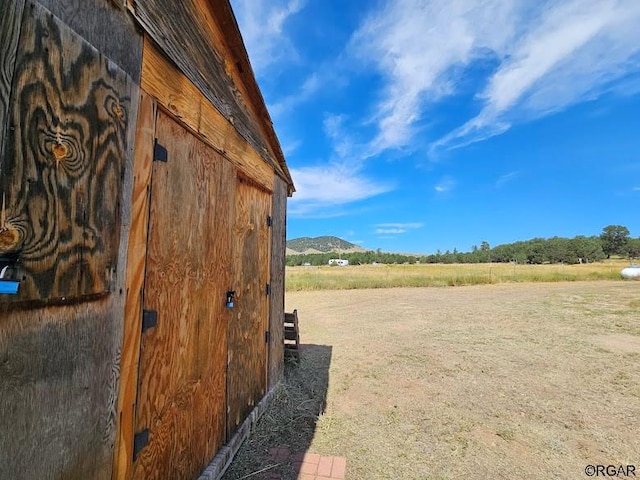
[262, 23]
[576, 52]
[309, 87]
[291, 146]
[445, 185]
[409, 225]
[343, 145]
[506, 178]
[419, 48]
[326, 189]
[322, 189]
[396, 228]
[541, 57]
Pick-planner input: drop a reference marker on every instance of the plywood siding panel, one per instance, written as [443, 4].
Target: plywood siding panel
[247, 349]
[60, 364]
[183, 359]
[137, 249]
[106, 26]
[276, 308]
[183, 33]
[64, 162]
[10, 22]
[59, 374]
[181, 97]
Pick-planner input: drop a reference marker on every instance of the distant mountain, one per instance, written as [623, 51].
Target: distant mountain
[321, 245]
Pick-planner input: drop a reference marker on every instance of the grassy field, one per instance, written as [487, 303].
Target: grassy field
[431, 275]
[515, 380]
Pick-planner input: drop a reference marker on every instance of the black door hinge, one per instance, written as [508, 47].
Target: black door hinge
[160, 153]
[149, 319]
[269, 221]
[267, 289]
[267, 336]
[140, 440]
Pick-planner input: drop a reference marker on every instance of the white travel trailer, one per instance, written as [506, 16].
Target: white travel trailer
[338, 261]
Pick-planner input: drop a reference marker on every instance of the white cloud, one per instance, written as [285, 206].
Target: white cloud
[419, 46]
[342, 143]
[542, 57]
[291, 146]
[445, 185]
[396, 228]
[506, 178]
[306, 91]
[410, 225]
[320, 189]
[262, 23]
[324, 190]
[576, 53]
[636, 189]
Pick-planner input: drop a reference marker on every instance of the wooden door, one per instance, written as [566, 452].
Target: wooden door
[182, 377]
[247, 347]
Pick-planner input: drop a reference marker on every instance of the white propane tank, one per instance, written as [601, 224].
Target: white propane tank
[631, 273]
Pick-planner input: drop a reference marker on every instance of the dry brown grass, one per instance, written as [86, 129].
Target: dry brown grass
[491, 381]
[433, 275]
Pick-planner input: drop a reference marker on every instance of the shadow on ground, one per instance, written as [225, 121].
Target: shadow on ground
[289, 423]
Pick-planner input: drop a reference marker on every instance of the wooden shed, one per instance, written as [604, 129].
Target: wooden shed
[143, 218]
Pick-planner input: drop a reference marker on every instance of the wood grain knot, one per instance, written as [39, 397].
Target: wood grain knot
[115, 109]
[60, 151]
[9, 238]
[63, 148]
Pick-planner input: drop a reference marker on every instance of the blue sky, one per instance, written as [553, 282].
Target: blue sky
[418, 125]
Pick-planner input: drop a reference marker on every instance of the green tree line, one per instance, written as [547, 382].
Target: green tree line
[614, 240]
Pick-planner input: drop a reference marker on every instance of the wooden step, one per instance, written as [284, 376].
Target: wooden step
[291, 335]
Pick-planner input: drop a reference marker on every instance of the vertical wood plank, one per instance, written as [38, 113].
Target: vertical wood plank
[277, 275]
[183, 359]
[10, 21]
[247, 349]
[137, 248]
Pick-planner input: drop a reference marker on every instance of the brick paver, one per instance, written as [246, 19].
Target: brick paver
[310, 466]
[324, 466]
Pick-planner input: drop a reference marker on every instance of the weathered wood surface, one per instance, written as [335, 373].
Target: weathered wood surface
[106, 26]
[227, 40]
[136, 256]
[181, 396]
[178, 95]
[247, 349]
[182, 32]
[59, 365]
[10, 21]
[59, 373]
[64, 162]
[277, 270]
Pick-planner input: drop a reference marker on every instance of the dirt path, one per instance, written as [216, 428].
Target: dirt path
[496, 381]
